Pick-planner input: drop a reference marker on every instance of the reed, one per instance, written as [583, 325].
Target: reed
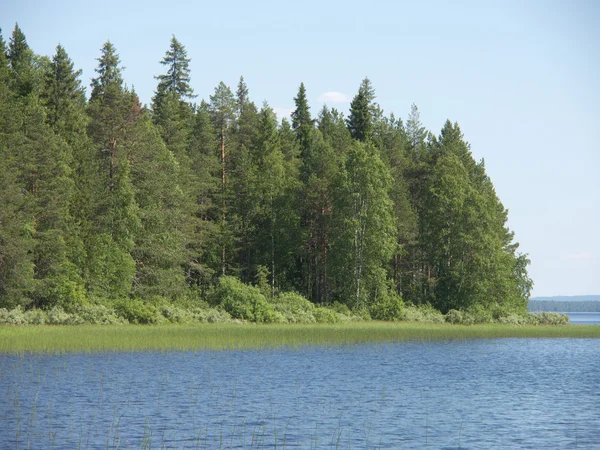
[129, 338]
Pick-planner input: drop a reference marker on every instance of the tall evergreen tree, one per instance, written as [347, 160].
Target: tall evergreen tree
[222, 108]
[159, 250]
[204, 186]
[363, 111]
[21, 60]
[301, 120]
[177, 78]
[113, 114]
[16, 226]
[109, 71]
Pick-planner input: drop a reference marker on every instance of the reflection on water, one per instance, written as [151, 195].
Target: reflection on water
[509, 393]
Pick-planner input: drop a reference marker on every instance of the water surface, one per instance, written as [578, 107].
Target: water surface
[583, 318]
[505, 393]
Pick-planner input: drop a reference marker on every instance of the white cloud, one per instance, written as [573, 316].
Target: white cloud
[581, 256]
[283, 112]
[334, 97]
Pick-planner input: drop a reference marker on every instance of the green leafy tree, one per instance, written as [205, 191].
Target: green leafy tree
[472, 259]
[365, 231]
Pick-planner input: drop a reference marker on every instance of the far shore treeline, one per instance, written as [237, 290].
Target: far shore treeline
[215, 204]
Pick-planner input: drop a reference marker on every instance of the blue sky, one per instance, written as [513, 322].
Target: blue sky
[522, 79]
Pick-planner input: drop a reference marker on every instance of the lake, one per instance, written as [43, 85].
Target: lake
[583, 318]
[500, 393]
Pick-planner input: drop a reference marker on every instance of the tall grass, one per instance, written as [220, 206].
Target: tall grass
[96, 338]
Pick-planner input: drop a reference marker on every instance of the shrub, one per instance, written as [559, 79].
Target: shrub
[242, 301]
[547, 318]
[387, 306]
[423, 313]
[454, 316]
[35, 317]
[58, 316]
[137, 311]
[13, 316]
[294, 308]
[479, 314]
[326, 315]
[99, 315]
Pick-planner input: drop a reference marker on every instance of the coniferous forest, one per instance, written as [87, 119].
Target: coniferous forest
[188, 201]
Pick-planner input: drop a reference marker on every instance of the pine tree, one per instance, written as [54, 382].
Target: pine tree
[222, 108]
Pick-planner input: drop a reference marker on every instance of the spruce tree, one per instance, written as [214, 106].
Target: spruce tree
[177, 78]
[301, 120]
[363, 112]
[63, 95]
[113, 114]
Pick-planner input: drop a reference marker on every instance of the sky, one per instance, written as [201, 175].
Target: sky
[521, 78]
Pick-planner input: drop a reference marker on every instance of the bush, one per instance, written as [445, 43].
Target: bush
[242, 301]
[35, 317]
[294, 308]
[99, 315]
[423, 313]
[388, 306]
[13, 316]
[58, 316]
[547, 318]
[137, 311]
[326, 315]
[454, 316]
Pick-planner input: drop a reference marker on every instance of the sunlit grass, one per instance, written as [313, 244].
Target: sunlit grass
[95, 338]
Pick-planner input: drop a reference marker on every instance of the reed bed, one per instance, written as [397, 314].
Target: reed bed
[129, 338]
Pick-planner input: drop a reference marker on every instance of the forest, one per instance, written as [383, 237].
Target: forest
[218, 203]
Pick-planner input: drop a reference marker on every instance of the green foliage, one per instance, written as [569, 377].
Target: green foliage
[138, 312]
[363, 112]
[177, 78]
[326, 315]
[294, 308]
[423, 313]
[302, 123]
[242, 301]
[387, 306]
[110, 270]
[109, 201]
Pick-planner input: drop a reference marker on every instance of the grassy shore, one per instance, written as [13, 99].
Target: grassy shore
[94, 338]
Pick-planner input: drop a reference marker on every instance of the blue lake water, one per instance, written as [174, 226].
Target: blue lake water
[505, 393]
[583, 318]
